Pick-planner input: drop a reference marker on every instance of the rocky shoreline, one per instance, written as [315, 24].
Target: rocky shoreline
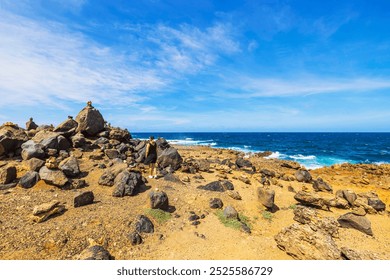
[80, 191]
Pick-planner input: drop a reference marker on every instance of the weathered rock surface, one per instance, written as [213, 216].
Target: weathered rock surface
[90, 121]
[216, 203]
[266, 197]
[11, 138]
[84, 198]
[303, 176]
[215, 186]
[350, 254]
[320, 185]
[44, 211]
[7, 174]
[135, 238]
[122, 135]
[29, 179]
[108, 177]
[170, 158]
[95, 252]
[127, 183]
[70, 166]
[230, 212]
[311, 199]
[67, 127]
[158, 200]
[30, 125]
[30, 149]
[360, 223]
[143, 224]
[241, 163]
[34, 164]
[53, 177]
[78, 140]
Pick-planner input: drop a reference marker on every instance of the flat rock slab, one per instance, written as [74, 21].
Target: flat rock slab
[360, 223]
[53, 177]
[44, 211]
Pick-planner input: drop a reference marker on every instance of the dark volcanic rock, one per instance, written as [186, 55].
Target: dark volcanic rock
[303, 176]
[108, 177]
[29, 179]
[144, 224]
[159, 200]
[215, 186]
[170, 157]
[11, 138]
[135, 238]
[240, 162]
[30, 125]
[227, 185]
[90, 121]
[216, 203]
[268, 173]
[78, 140]
[84, 198]
[63, 143]
[320, 186]
[32, 150]
[70, 166]
[127, 183]
[7, 174]
[112, 153]
[360, 223]
[266, 197]
[374, 201]
[95, 253]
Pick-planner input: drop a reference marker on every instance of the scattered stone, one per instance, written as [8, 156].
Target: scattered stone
[78, 140]
[244, 179]
[349, 195]
[303, 176]
[11, 138]
[112, 153]
[53, 177]
[70, 166]
[193, 217]
[34, 164]
[29, 179]
[267, 173]
[216, 203]
[108, 177]
[245, 228]
[7, 174]
[170, 157]
[51, 163]
[215, 186]
[172, 178]
[360, 223]
[339, 202]
[159, 200]
[266, 197]
[186, 179]
[127, 183]
[44, 211]
[90, 121]
[291, 189]
[67, 127]
[195, 223]
[7, 186]
[349, 254]
[122, 135]
[32, 150]
[230, 212]
[359, 211]
[234, 195]
[311, 199]
[144, 224]
[320, 186]
[135, 238]
[227, 185]
[78, 184]
[95, 252]
[291, 165]
[241, 162]
[84, 198]
[63, 143]
[374, 201]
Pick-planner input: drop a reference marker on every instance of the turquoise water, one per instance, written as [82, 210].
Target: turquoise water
[313, 150]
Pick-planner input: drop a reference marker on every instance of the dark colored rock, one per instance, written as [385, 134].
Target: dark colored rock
[172, 178]
[70, 166]
[95, 253]
[144, 224]
[303, 176]
[7, 174]
[84, 198]
[29, 179]
[348, 195]
[216, 203]
[215, 186]
[195, 223]
[63, 143]
[162, 144]
[170, 158]
[268, 173]
[320, 186]
[127, 183]
[230, 212]
[67, 127]
[135, 238]
[108, 176]
[159, 200]
[245, 228]
[291, 189]
[112, 153]
[32, 150]
[360, 223]
[30, 125]
[11, 138]
[90, 121]
[78, 140]
[240, 162]
[227, 185]
[374, 201]
[78, 184]
[122, 135]
[101, 141]
[266, 197]
[193, 217]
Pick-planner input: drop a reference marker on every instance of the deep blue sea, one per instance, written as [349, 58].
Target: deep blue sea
[313, 150]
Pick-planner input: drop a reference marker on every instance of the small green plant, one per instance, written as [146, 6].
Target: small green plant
[159, 215]
[292, 206]
[267, 215]
[233, 223]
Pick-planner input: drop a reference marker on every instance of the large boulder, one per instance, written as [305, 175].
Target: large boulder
[303, 176]
[53, 177]
[70, 166]
[373, 200]
[78, 140]
[30, 150]
[34, 164]
[7, 174]
[215, 186]
[143, 224]
[127, 183]
[241, 163]
[320, 185]
[83, 198]
[122, 135]
[170, 158]
[159, 200]
[11, 138]
[90, 121]
[30, 125]
[108, 177]
[312, 199]
[360, 223]
[48, 139]
[29, 179]
[266, 197]
[67, 127]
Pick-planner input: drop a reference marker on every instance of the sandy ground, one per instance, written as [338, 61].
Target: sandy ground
[109, 220]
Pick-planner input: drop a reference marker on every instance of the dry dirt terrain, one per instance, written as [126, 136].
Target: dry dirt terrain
[109, 220]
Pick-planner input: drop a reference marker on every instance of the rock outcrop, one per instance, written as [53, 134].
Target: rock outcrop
[90, 121]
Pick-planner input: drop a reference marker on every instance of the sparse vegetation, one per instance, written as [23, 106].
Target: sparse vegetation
[267, 215]
[292, 206]
[159, 215]
[233, 223]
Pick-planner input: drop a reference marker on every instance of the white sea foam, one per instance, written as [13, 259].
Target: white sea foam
[188, 142]
[302, 157]
[276, 155]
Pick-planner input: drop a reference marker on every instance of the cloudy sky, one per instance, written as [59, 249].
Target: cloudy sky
[172, 65]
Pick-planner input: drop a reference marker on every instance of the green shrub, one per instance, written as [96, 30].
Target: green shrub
[232, 223]
[159, 215]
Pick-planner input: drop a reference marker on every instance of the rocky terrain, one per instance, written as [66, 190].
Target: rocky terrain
[81, 191]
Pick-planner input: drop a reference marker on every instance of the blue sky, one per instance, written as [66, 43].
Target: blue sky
[154, 65]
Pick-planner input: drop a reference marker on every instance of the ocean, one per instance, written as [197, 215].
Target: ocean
[312, 150]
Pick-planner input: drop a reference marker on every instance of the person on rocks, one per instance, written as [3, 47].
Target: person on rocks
[151, 156]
